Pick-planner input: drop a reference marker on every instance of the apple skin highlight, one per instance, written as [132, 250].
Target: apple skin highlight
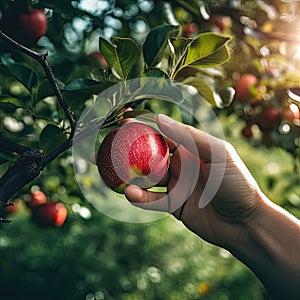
[134, 153]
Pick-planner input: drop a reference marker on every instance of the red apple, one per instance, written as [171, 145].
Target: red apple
[25, 27]
[220, 22]
[243, 86]
[247, 132]
[50, 214]
[134, 153]
[13, 208]
[34, 24]
[37, 198]
[190, 30]
[269, 118]
[98, 57]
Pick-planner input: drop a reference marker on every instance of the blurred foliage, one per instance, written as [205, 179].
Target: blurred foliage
[104, 259]
[92, 256]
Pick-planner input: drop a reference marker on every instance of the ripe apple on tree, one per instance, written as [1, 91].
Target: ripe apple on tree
[13, 208]
[243, 87]
[134, 153]
[34, 23]
[247, 131]
[50, 214]
[26, 27]
[269, 118]
[190, 30]
[37, 198]
[220, 22]
[98, 58]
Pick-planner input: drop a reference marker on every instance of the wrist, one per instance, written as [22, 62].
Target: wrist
[269, 244]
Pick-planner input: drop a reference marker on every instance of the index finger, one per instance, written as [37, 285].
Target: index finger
[196, 141]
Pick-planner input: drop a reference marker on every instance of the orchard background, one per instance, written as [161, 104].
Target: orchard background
[250, 76]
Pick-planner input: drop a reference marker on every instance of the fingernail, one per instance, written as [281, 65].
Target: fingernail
[165, 119]
[134, 189]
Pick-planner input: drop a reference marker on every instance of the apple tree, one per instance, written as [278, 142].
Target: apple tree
[57, 56]
[49, 96]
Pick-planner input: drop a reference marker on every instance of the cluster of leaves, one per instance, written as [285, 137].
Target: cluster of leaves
[163, 55]
[36, 118]
[31, 114]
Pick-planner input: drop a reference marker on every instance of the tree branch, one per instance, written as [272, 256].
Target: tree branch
[42, 59]
[31, 161]
[28, 167]
[12, 147]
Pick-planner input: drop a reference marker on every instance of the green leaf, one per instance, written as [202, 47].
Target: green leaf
[227, 95]
[76, 99]
[203, 88]
[44, 89]
[13, 101]
[156, 42]
[159, 88]
[154, 72]
[84, 85]
[121, 55]
[138, 68]
[178, 49]
[193, 6]
[20, 72]
[187, 108]
[207, 50]
[51, 137]
[5, 158]
[135, 113]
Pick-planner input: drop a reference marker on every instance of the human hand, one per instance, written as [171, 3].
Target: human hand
[208, 186]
